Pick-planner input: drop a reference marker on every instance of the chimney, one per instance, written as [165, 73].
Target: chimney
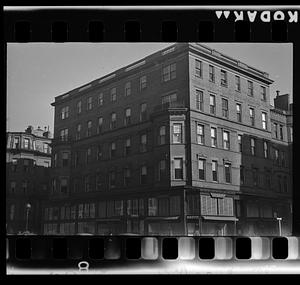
[277, 93]
[29, 130]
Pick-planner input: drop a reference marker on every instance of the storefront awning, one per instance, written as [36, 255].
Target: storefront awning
[220, 218]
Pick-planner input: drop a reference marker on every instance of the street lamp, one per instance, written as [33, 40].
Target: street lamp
[28, 207]
[279, 224]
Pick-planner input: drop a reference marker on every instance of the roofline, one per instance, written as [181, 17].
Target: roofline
[24, 133]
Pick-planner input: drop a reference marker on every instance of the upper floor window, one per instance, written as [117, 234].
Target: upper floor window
[201, 168]
[89, 105]
[252, 116]
[143, 82]
[13, 185]
[266, 149]
[276, 153]
[177, 133]
[226, 140]
[214, 169]
[239, 112]
[89, 129]
[143, 174]
[79, 107]
[16, 143]
[237, 83]
[227, 167]
[143, 146]
[100, 99]
[65, 159]
[263, 93]
[199, 100]
[100, 125]
[264, 120]
[169, 72]
[200, 134]
[211, 73]
[127, 176]
[223, 77]
[169, 99]
[276, 130]
[64, 112]
[281, 132]
[213, 134]
[250, 88]
[113, 94]
[24, 186]
[178, 168]
[64, 135]
[78, 132]
[240, 143]
[127, 146]
[26, 143]
[143, 112]
[112, 149]
[161, 169]
[113, 122]
[127, 88]
[99, 152]
[112, 179]
[127, 119]
[252, 146]
[88, 155]
[162, 135]
[198, 68]
[224, 108]
[212, 104]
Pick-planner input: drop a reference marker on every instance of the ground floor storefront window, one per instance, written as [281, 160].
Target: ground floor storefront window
[217, 228]
[165, 228]
[110, 228]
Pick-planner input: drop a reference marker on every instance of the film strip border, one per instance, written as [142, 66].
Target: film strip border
[110, 253]
[137, 25]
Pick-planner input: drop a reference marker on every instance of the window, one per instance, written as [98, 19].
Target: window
[143, 174]
[78, 132]
[252, 146]
[143, 112]
[281, 132]
[177, 133]
[127, 89]
[198, 68]
[279, 181]
[24, 186]
[26, 143]
[227, 167]
[99, 152]
[240, 143]
[174, 205]
[169, 72]
[152, 207]
[100, 125]
[13, 185]
[201, 168]
[127, 119]
[127, 146]
[252, 116]
[64, 135]
[212, 104]
[211, 73]
[255, 176]
[226, 140]
[100, 99]
[127, 176]
[250, 88]
[242, 175]
[178, 168]
[113, 122]
[161, 169]
[143, 82]
[224, 108]
[168, 100]
[199, 100]
[112, 149]
[239, 112]
[89, 105]
[79, 107]
[112, 179]
[14, 165]
[55, 160]
[162, 135]
[213, 134]
[252, 209]
[268, 179]
[89, 129]
[113, 94]
[237, 83]
[143, 146]
[214, 168]
[264, 120]
[276, 152]
[266, 149]
[65, 159]
[64, 114]
[193, 204]
[16, 143]
[223, 78]
[209, 205]
[276, 130]
[263, 93]
[12, 212]
[98, 181]
[46, 148]
[200, 134]
[88, 155]
[63, 185]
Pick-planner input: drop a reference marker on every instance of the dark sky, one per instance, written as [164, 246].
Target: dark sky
[36, 73]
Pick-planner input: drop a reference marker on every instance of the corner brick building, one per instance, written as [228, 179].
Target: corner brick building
[178, 143]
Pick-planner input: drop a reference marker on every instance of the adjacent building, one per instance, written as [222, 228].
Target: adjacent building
[181, 142]
[28, 162]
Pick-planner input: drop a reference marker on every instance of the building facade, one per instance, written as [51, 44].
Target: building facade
[178, 143]
[28, 162]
